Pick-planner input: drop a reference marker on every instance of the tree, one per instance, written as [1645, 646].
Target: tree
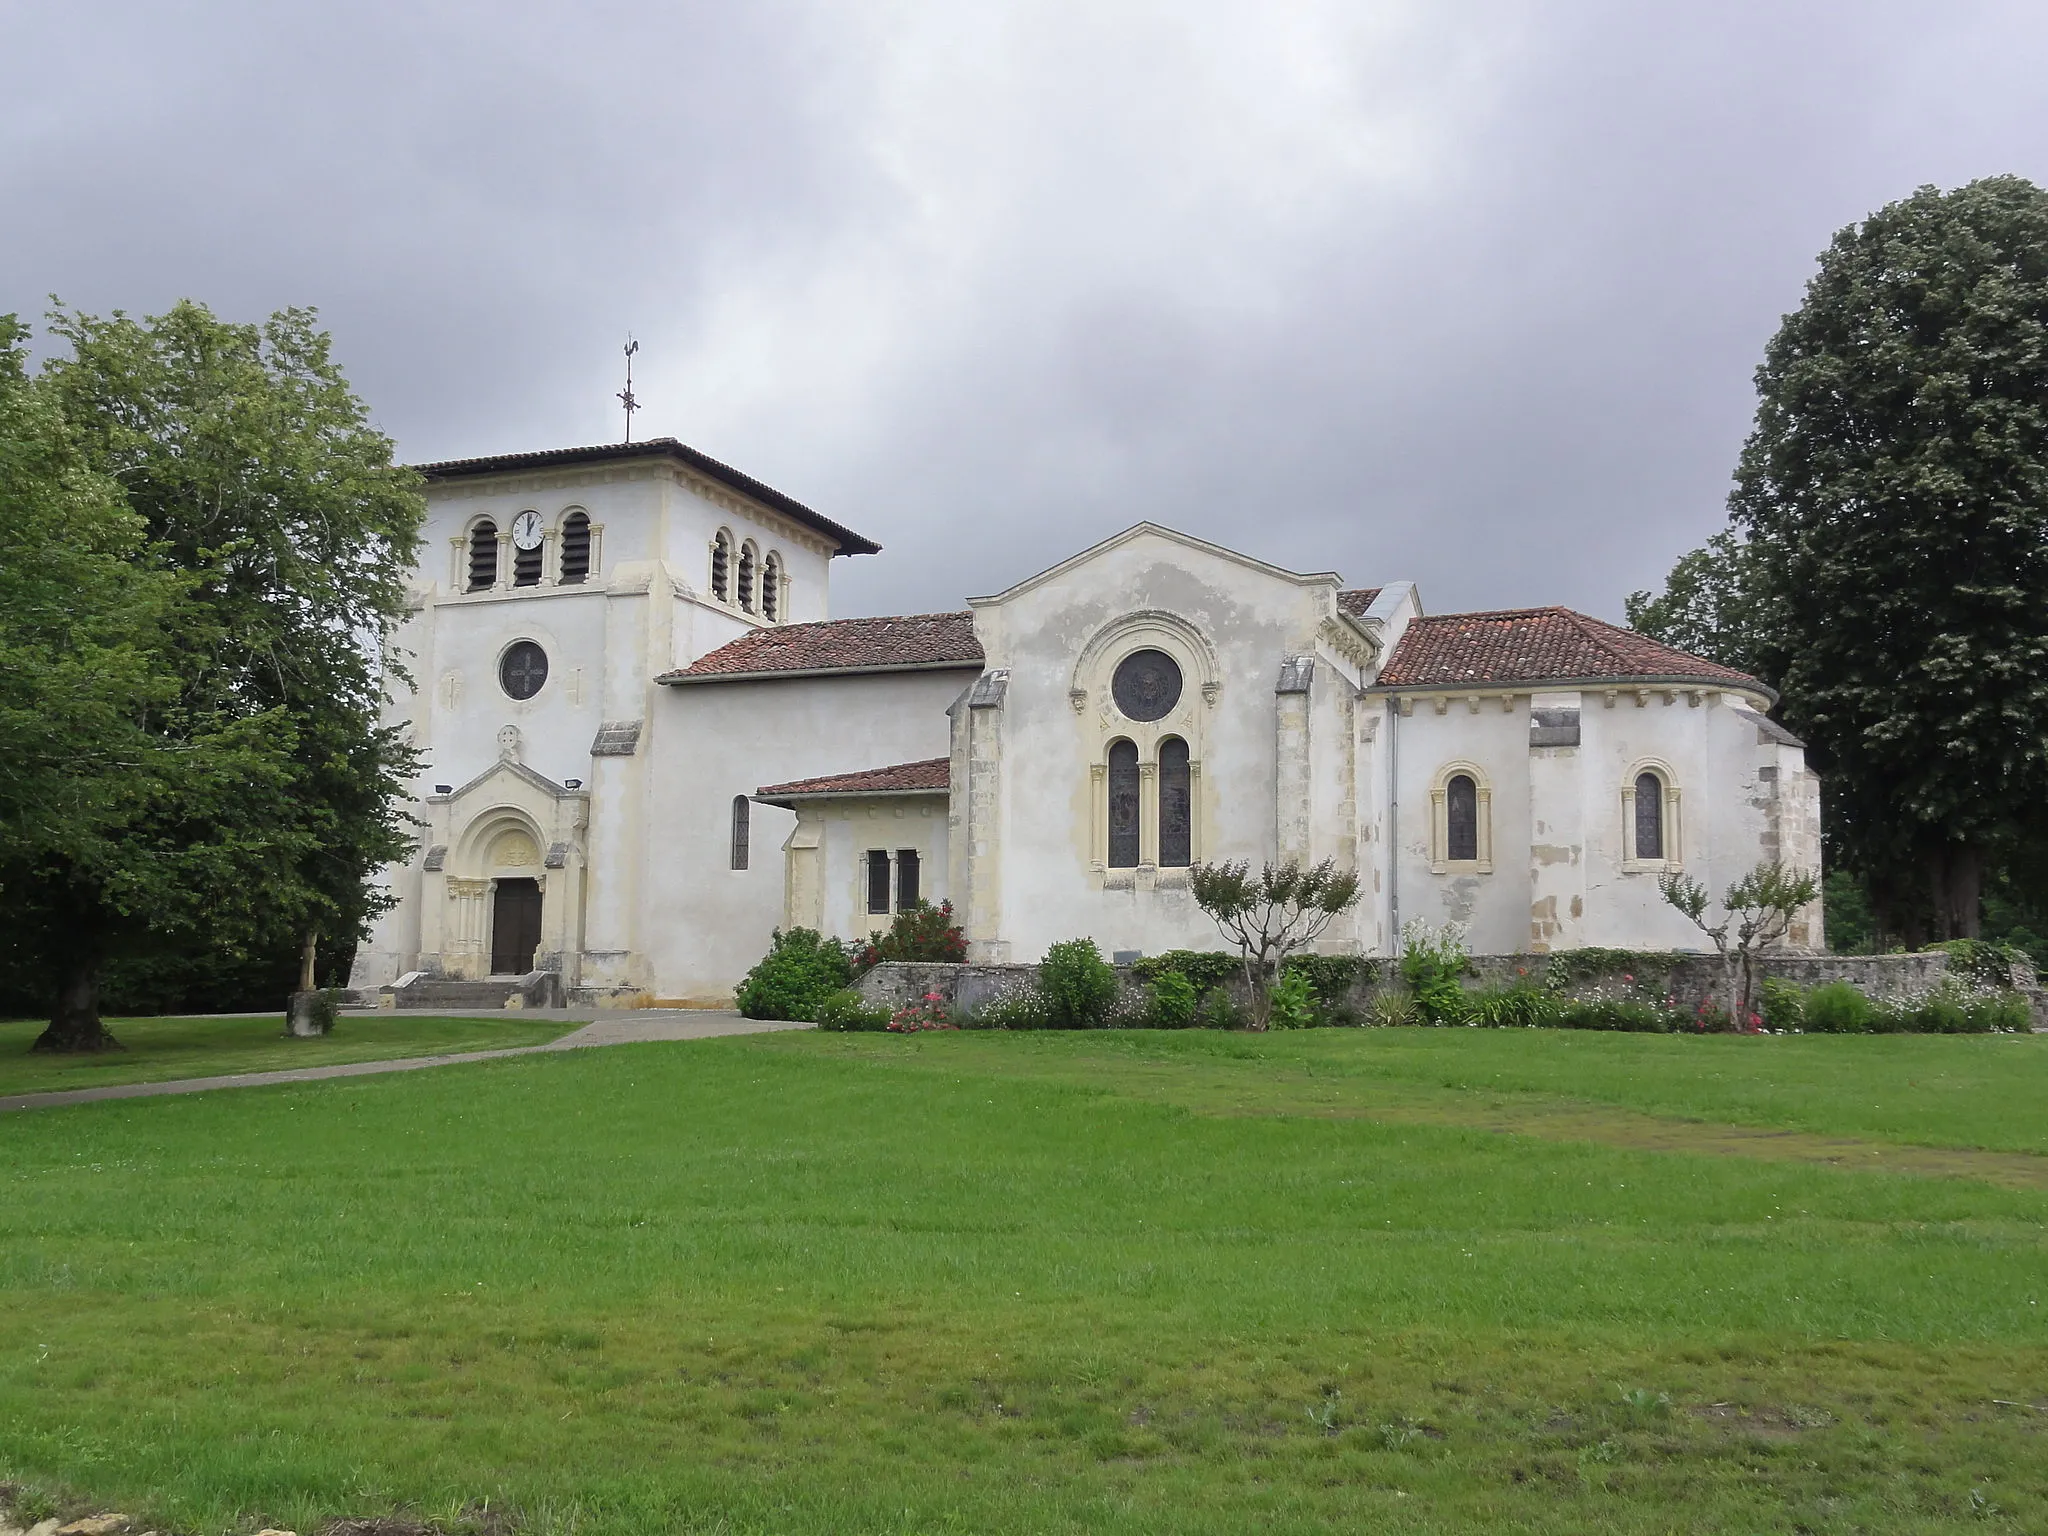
[1757, 913]
[267, 793]
[1271, 915]
[1886, 565]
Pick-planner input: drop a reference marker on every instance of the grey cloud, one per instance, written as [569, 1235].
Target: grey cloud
[1469, 295]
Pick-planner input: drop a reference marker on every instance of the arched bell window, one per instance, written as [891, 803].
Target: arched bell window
[1176, 805]
[771, 587]
[749, 565]
[1649, 816]
[721, 567]
[483, 555]
[575, 548]
[1461, 818]
[1124, 810]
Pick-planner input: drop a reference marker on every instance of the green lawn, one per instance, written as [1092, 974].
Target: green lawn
[1404, 1281]
[158, 1050]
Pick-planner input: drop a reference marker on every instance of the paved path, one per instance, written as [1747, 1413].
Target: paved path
[609, 1029]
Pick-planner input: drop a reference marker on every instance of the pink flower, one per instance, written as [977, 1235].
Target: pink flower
[1628, 978]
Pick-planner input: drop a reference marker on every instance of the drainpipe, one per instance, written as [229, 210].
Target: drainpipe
[1394, 822]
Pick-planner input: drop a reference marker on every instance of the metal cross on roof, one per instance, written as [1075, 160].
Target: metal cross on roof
[626, 394]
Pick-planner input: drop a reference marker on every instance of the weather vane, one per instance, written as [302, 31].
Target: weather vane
[626, 394]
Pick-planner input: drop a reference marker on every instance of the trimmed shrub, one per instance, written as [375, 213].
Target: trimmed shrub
[1172, 1001]
[922, 934]
[1205, 968]
[1079, 986]
[847, 1010]
[1836, 1008]
[799, 971]
[1784, 1004]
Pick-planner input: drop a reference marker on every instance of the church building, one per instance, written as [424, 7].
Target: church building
[648, 744]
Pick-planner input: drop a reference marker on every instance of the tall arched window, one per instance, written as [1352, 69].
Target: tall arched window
[748, 566]
[721, 567]
[1123, 805]
[1461, 818]
[575, 548]
[1176, 805]
[483, 555]
[1649, 816]
[771, 587]
[742, 830]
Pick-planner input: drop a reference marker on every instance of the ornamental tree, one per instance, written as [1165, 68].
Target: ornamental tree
[1277, 912]
[1757, 912]
[1886, 565]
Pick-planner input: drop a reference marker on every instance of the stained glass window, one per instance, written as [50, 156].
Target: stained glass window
[742, 830]
[1146, 685]
[522, 670]
[1176, 805]
[1649, 816]
[1123, 805]
[1461, 807]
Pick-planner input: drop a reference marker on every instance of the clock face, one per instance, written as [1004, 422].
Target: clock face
[526, 530]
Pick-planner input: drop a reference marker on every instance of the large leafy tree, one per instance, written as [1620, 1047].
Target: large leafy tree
[264, 500]
[1886, 566]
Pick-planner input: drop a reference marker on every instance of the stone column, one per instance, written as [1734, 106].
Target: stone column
[1557, 824]
[982, 897]
[1293, 810]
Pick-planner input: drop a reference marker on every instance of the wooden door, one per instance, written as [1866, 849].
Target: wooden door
[515, 927]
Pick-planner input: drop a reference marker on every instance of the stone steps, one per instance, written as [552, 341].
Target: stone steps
[457, 994]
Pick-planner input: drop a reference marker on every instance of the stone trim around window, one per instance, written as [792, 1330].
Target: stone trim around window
[1674, 825]
[1440, 860]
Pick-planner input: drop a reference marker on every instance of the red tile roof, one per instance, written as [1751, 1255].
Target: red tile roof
[1539, 645]
[1357, 600]
[849, 542]
[931, 773]
[901, 643]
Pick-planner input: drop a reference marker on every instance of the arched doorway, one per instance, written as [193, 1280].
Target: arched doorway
[515, 926]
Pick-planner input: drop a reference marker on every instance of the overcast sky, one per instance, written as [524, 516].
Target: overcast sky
[1466, 293]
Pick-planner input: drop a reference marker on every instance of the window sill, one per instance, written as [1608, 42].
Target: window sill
[1461, 867]
[1652, 866]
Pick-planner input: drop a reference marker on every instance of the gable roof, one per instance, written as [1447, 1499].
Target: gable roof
[1355, 600]
[849, 542]
[908, 642]
[1541, 645]
[1172, 535]
[923, 777]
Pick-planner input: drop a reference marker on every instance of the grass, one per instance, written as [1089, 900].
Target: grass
[158, 1050]
[807, 1283]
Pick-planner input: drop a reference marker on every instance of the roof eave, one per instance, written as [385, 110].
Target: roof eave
[777, 674]
[789, 801]
[1546, 684]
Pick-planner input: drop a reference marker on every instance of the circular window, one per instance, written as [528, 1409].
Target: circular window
[1146, 685]
[522, 669]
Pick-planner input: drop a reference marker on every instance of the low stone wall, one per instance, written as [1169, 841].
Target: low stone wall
[1688, 980]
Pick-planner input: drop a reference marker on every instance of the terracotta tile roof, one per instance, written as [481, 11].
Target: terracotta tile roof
[1539, 645]
[931, 773]
[903, 642]
[1357, 600]
[849, 542]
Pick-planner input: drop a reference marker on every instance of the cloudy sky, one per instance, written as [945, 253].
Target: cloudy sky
[1467, 292]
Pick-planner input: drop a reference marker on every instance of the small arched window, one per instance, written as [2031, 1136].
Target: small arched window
[483, 555]
[575, 548]
[721, 567]
[742, 830]
[1649, 816]
[1176, 805]
[1123, 805]
[771, 587]
[746, 582]
[1461, 818]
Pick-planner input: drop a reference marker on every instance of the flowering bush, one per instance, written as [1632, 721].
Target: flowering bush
[799, 971]
[929, 1012]
[922, 933]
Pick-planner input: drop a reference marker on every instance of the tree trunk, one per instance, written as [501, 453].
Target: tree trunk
[1957, 875]
[75, 1023]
